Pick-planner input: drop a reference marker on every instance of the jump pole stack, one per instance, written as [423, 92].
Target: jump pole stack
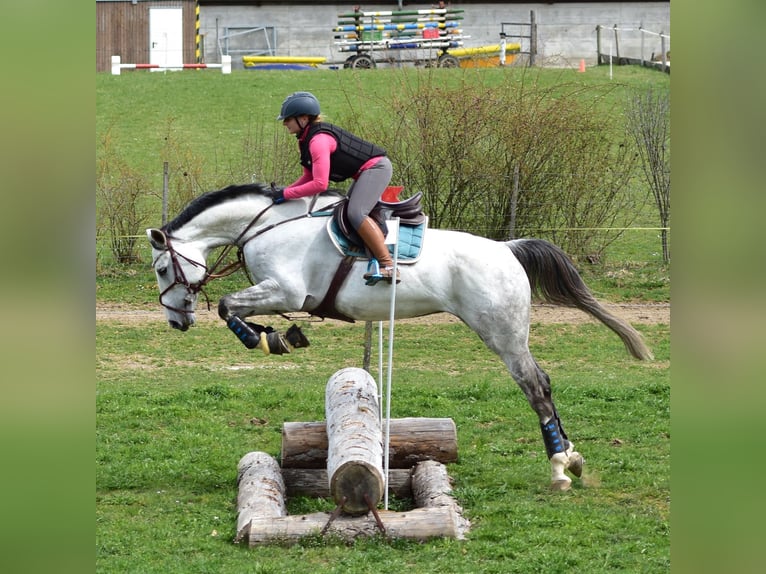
[118, 66]
[349, 444]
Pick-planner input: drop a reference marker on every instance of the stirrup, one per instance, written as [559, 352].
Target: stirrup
[372, 277]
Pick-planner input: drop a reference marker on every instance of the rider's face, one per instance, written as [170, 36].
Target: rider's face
[294, 124]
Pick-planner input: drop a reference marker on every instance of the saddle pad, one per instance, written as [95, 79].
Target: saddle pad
[410, 242]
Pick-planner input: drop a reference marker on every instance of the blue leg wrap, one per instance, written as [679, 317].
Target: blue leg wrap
[554, 437]
[244, 332]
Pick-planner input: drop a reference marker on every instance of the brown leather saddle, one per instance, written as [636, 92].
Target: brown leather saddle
[409, 211]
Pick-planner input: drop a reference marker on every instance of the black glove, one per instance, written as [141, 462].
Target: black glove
[276, 193]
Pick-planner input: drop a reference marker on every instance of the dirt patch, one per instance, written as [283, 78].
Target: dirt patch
[635, 313]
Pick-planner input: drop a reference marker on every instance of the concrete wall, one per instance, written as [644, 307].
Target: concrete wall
[566, 32]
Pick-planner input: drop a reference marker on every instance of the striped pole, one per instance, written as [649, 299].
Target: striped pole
[224, 66]
[196, 32]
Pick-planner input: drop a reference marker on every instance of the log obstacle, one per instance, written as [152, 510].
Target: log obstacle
[118, 66]
[304, 445]
[354, 441]
[349, 444]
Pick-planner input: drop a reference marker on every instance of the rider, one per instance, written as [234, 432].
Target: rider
[329, 152]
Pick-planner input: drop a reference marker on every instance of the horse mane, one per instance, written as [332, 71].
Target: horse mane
[210, 199]
[213, 198]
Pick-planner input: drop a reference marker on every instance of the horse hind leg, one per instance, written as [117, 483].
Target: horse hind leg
[560, 450]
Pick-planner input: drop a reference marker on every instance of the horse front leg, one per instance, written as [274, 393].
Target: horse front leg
[260, 299]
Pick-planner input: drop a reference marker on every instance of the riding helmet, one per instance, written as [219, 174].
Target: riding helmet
[297, 104]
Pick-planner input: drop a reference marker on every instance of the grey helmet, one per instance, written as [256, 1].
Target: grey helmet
[298, 104]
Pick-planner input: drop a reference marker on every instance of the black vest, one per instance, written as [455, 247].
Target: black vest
[351, 154]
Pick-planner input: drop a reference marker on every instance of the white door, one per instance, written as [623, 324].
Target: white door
[166, 46]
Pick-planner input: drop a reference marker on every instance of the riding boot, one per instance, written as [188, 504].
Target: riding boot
[375, 241]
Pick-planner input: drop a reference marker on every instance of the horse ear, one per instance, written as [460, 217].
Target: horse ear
[157, 238]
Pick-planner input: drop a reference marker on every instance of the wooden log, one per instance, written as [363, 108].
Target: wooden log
[354, 441]
[304, 444]
[418, 524]
[431, 488]
[261, 491]
[313, 482]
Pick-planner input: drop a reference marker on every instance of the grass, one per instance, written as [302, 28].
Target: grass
[175, 412]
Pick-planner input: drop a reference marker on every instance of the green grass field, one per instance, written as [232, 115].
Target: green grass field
[176, 411]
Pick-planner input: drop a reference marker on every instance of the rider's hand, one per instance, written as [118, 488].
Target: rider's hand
[276, 193]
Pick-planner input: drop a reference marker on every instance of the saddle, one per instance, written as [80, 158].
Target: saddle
[412, 225]
[409, 211]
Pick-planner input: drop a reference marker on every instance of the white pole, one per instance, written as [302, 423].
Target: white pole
[115, 65]
[226, 64]
[393, 236]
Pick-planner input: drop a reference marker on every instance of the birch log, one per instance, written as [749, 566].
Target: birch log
[304, 444]
[431, 488]
[354, 441]
[418, 524]
[261, 491]
[313, 482]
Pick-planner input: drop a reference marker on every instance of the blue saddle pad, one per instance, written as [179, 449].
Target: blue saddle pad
[410, 242]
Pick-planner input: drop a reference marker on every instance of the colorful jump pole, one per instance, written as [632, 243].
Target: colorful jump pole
[118, 66]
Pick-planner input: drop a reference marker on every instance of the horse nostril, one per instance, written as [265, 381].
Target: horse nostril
[178, 325]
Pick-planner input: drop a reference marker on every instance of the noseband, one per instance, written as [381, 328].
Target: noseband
[180, 278]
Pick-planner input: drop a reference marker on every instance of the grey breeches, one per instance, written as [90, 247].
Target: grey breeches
[365, 192]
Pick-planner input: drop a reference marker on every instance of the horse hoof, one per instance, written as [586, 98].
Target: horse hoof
[575, 464]
[561, 485]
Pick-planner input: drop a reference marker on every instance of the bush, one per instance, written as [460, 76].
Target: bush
[511, 160]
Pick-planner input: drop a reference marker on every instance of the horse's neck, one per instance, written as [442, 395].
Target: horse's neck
[234, 221]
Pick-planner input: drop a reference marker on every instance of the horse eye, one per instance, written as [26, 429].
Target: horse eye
[162, 270]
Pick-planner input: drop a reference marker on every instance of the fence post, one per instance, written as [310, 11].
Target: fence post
[598, 44]
[514, 202]
[616, 44]
[165, 177]
[532, 38]
[664, 56]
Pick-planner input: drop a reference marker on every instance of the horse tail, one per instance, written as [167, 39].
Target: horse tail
[554, 278]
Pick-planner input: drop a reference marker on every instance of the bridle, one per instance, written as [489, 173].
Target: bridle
[213, 272]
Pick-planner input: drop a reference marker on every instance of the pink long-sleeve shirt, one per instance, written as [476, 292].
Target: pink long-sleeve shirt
[317, 179]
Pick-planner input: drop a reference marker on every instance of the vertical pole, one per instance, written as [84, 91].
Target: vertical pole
[367, 346]
[165, 178]
[393, 235]
[598, 44]
[532, 38]
[514, 201]
[641, 31]
[116, 65]
[502, 48]
[198, 53]
[616, 44]
[664, 55]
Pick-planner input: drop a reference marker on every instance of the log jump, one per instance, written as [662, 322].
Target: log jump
[350, 447]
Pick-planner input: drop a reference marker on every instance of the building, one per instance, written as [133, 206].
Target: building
[188, 31]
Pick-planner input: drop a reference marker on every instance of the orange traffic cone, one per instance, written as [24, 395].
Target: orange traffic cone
[582, 65]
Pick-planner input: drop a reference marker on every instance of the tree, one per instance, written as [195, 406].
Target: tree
[649, 125]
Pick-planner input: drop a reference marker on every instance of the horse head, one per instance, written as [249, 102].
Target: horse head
[181, 273]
